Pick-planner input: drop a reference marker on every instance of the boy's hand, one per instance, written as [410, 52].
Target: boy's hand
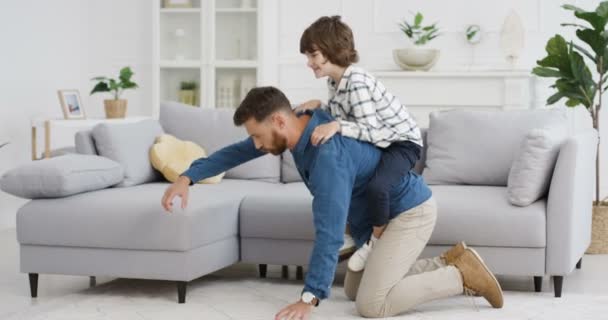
[324, 132]
[178, 188]
[308, 105]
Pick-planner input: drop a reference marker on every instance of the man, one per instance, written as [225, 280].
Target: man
[336, 173]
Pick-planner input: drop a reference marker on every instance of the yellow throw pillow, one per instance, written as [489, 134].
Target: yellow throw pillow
[172, 157]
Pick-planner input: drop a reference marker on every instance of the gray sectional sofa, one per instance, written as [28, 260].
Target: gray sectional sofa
[261, 213]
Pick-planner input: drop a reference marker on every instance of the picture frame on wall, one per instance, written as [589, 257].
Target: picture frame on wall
[71, 104]
[177, 3]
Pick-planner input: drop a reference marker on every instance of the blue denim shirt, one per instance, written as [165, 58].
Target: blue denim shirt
[336, 173]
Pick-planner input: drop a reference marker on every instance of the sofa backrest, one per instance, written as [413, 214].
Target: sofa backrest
[213, 129]
[478, 147]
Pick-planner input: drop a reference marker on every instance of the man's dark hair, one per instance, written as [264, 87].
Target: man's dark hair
[260, 103]
[333, 38]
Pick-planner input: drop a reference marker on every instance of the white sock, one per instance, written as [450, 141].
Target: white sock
[372, 240]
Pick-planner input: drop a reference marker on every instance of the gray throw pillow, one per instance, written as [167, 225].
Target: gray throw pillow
[61, 176]
[532, 168]
[129, 144]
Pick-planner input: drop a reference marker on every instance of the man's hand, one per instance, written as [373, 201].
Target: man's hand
[296, 311]
[324, 132]
[308, 105]
[178, 188]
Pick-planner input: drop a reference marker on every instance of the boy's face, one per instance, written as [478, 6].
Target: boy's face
[268, 135]
[318, 63]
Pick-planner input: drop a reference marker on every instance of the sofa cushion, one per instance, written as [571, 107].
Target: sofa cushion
[289, 172]
[478, 147]
[532, 168]
[214, 129]
[285, 213]
[84, 143]
[129, 144]
[172, 157]
[132, 218]
[483, 216]
[61, 176]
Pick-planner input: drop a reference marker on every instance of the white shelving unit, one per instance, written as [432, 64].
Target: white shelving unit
[218, 45]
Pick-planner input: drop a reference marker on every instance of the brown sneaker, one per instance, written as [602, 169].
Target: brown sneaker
[453, 253]
[478, 278]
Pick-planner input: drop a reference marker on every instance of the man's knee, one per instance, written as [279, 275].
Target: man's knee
[369, 309]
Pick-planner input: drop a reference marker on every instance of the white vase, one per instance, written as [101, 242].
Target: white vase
[419, 59]
[512, 37]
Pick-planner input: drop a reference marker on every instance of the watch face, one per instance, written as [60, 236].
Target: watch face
[307, 297]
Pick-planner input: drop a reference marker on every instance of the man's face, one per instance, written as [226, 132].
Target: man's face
[267, 134]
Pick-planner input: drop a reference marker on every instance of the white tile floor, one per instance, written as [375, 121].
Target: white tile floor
[237, 293]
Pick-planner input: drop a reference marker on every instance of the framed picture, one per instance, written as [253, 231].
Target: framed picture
[71, 105]
[177, 3]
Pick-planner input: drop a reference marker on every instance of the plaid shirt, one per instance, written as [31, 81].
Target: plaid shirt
[367, 111]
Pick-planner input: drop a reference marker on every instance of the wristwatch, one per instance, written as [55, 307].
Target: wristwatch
[310, 299]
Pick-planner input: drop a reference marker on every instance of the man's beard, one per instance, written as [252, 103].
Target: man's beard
[279, 144]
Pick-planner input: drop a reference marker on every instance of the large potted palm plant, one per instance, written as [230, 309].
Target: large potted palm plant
[572, 64]
[115, 108]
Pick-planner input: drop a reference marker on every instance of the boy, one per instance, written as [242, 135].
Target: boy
[364, 110]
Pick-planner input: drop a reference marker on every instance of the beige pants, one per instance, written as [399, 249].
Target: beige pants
[394, 281]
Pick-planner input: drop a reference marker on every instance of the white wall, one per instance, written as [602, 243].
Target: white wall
[50, 45]
[61, 44]
[374, 24]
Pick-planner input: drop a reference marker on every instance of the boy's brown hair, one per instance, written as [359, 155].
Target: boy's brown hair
[333, 38]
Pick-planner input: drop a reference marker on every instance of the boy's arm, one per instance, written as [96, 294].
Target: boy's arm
[331, 184]
[222, 160]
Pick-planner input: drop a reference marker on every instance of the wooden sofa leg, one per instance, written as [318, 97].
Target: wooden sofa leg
[263, 269]
[299, 273]
[579, 264]
[558, 282]
[285, 272]
[538, 284]
[33, 284]
[92, 281]
[181, 291]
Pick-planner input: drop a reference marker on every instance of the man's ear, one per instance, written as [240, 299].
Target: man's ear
[279, 120]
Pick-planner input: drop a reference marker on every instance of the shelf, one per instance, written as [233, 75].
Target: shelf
[180, 10]
[180, 64]
[236, 64]
[236, 10]
[454, 74]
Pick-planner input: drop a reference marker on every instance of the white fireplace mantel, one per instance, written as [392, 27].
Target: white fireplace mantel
[424, 92]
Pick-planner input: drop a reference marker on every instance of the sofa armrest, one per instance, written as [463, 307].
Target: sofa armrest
[569, 204]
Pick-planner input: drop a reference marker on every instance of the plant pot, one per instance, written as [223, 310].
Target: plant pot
[599, 231]
[115, 108]
[416, 58]
[187, 97]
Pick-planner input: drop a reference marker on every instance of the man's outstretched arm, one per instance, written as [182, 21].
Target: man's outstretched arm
[218, 162]
[223, 160]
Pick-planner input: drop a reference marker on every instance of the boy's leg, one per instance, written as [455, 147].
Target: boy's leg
[395, 161]
[385, 290]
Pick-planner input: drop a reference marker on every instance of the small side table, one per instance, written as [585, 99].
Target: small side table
[60, 133]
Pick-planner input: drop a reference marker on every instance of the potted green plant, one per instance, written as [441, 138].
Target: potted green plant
[419, 57]
[115, 108]
[187, 92]
[571, 63]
